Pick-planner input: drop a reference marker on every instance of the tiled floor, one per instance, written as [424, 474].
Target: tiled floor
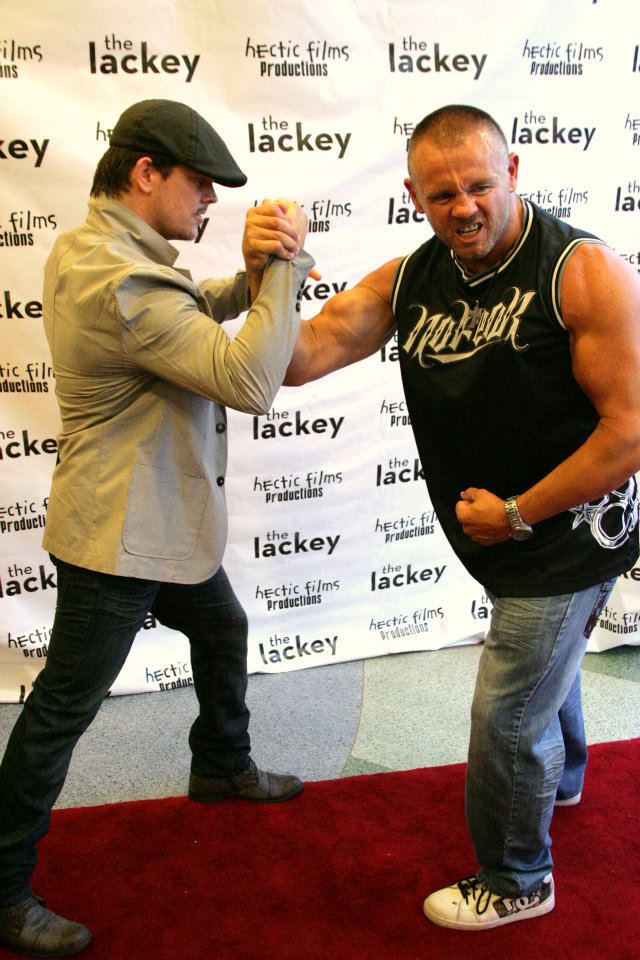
[387, 713]
[415, 707]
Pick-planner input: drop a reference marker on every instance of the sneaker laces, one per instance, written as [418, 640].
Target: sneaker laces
[478, 890]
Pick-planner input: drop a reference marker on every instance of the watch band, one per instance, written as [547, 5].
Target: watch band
[519, 529]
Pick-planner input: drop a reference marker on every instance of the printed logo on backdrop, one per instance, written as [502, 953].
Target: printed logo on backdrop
[20, 148]
[269, 135]
[632, 126]
[14, 309]
[113, 56]
[394, 413]
[536, 128]
[627, 198]
[398, 470]
[283, 424]
[321, 214]
[632, 258]
[16, 444]
[389, 352]
[15, 56]
[561, 203]
[421, 56]
[169, 676]
[20, 515]
[481, 609]
[400, 210]
[310, 290]
[404, 129]
[31, 377]
[618, 622]
[17, 228]
[19, 579]
[396, 576]
[287, 487]
[282, 543]
[550, 58]
[288, 596]
[34, 644]
[285, 649]
[288, 58]
[406, 526]
[397, 626]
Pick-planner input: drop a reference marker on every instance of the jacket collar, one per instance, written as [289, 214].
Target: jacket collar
[109, 216]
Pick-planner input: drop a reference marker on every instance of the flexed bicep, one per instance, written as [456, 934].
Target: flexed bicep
[351, 326]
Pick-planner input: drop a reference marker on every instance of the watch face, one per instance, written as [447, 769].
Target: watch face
[519, 529]
[523, 534]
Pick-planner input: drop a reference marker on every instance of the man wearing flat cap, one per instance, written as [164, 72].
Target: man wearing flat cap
[136, 521]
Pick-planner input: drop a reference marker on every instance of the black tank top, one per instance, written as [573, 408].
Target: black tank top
[486, 368]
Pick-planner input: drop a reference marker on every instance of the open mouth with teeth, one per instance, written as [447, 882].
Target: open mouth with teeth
[469, 231]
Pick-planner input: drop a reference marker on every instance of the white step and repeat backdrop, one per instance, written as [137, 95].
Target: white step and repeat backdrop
[334, 548]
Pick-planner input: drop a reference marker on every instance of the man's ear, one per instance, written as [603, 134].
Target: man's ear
[142, 175]
[412, 193]
[512, 167]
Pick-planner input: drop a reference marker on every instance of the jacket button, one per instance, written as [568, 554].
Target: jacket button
[220, 481]
[220, 428]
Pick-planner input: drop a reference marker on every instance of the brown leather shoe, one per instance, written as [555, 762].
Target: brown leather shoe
[250, 784]
[29, 928]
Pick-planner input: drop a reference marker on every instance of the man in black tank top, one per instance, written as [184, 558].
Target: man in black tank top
[520, 359]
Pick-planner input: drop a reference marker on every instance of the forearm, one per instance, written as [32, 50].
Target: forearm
[227, 298]
[166, 334]
[607, 458]
[304, 363]
[348, 329]
[603, 463]
[258, 356]
[254, 282]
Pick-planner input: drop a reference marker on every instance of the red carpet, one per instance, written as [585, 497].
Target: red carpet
[338, 873]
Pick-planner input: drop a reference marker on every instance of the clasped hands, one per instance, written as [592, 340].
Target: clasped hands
[274, 228]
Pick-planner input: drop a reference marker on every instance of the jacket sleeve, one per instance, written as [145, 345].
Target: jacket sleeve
[167, 329]
[227, 298]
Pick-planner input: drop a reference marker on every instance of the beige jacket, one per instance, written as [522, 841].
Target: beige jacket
[143, 373]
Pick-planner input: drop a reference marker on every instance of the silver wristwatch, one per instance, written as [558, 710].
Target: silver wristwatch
[519, 529]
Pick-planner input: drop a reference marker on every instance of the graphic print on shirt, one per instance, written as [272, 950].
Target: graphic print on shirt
[611, 519]
[465, 329]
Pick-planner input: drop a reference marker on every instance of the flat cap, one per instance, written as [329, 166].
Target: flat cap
[174, 130]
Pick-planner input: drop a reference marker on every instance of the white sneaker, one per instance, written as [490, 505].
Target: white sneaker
[471, 905]
[568, 801]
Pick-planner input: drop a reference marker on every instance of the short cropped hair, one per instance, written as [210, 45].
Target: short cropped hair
[113, 173]
[452, 123]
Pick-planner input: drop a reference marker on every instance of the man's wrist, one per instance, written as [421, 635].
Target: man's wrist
[519, 529]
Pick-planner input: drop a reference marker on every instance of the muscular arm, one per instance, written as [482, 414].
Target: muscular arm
[600, 306]
[351, 326]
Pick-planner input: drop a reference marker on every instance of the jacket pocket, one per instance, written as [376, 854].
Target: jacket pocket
[164, 513]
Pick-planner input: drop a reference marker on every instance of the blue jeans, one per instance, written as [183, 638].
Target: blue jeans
[97, 618]
[527, 740]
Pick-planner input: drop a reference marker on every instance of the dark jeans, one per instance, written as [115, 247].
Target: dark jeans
[97, 618]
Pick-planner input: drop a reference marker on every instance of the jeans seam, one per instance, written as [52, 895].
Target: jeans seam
[90, 617]
[508, 834]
